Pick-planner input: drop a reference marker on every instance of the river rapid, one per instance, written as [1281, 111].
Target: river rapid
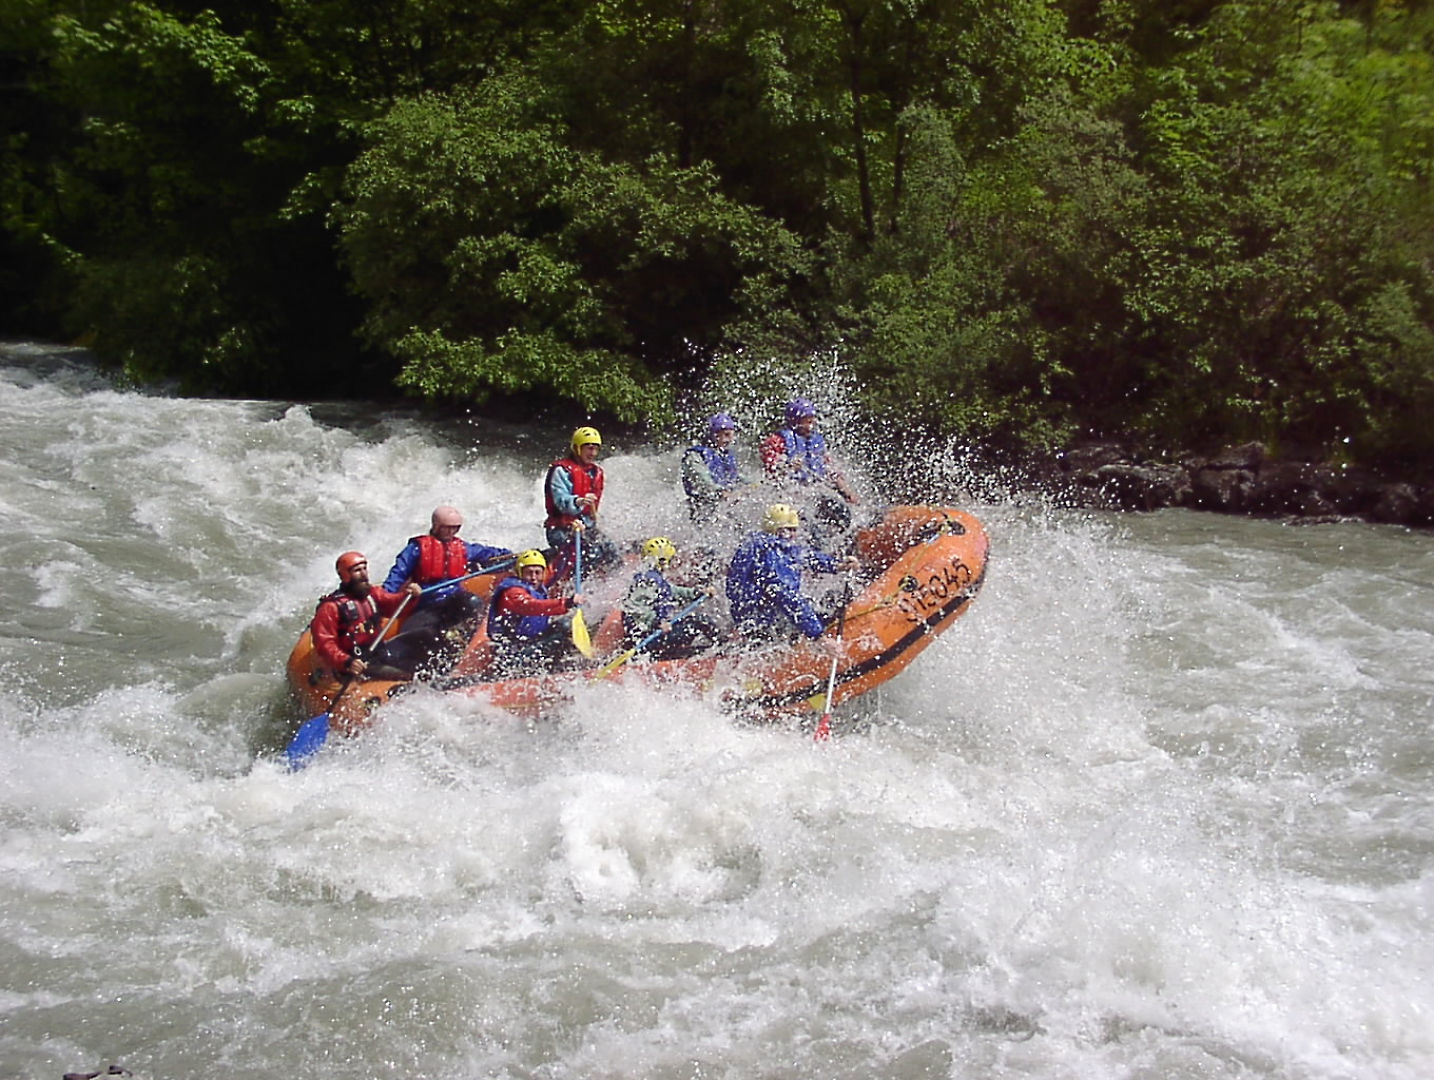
[1160, 805]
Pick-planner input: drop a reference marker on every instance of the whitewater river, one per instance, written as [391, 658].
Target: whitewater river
[1161, 805]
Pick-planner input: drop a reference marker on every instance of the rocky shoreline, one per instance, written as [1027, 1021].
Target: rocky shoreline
[1238, 480]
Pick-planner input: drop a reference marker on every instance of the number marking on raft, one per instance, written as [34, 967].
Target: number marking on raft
[918, 599]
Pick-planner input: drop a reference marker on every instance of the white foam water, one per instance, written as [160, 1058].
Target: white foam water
[1160, 805]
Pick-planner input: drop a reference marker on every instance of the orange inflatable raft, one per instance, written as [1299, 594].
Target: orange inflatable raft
[921, 565]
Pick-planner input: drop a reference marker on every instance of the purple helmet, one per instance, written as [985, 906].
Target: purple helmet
[721, 422]
[799, 407]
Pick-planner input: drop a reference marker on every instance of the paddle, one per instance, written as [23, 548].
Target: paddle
[823, 730]
[582, 640]
[314, 732]
[501, 564]
[623, 657]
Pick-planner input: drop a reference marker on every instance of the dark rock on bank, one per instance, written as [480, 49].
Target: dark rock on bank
[1238, 480]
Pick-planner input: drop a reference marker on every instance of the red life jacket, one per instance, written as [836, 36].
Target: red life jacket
[440, 561]
[584, 483]
[358, 619]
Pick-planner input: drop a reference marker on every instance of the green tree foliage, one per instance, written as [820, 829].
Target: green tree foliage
[992, 291]
[1282, 230]
[1231, 244]
[1182, 221]
[36, 130]
[498, 257]
[147, 208]
[964, 313]
[180, 201]
[159, 199]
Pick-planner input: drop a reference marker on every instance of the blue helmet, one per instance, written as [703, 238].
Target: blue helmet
[721, 422]
[799, 407]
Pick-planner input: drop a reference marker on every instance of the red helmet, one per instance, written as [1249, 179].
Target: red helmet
[347, 562]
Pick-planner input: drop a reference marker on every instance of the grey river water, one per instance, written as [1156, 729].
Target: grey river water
[1161, 805]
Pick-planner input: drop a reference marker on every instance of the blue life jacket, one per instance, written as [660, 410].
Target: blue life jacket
[764, 584]
[807, 453]
[666, 602]
[516, 628]
[721, 465]
[662, 608]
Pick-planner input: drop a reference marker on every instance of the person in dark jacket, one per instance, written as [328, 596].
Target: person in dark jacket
[651, 602]
[764, 579]
[710, 474]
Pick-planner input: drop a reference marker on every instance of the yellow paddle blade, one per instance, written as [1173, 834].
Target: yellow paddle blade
[581, 638]
[615, 663]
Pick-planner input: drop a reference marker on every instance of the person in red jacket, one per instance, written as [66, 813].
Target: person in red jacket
[796, 457]
[572, 494]
[522, 620]
[446, 615]
[441, 555]
[349, 620]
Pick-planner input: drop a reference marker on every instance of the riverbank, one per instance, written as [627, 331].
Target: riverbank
[1239, 480]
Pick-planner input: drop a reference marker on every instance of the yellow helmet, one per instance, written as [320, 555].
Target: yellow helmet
[531, 557]
[585, 436]
[780, 516]
[659, 551]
